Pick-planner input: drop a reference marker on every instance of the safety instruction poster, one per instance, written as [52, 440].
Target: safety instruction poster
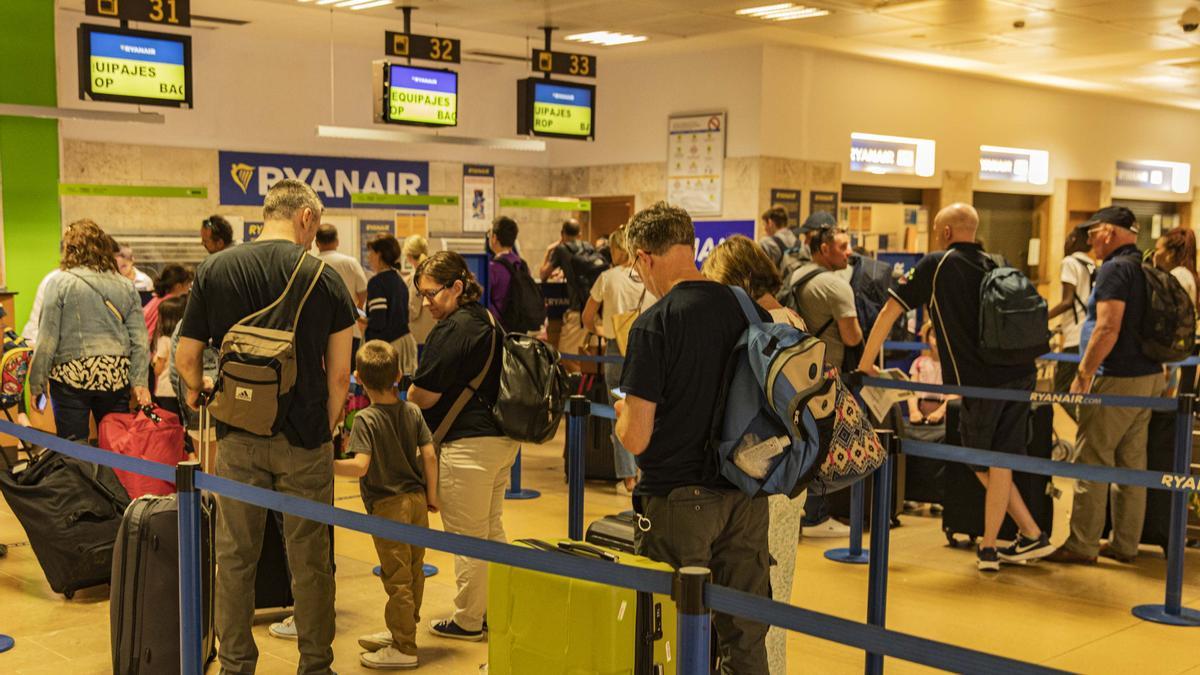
[696, 162]
[479, 197]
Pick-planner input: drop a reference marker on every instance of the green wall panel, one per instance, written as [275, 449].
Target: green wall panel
[29, 169]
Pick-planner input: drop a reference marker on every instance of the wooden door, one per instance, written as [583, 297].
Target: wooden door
[607, 214]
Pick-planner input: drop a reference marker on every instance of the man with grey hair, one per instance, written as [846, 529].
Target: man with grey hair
[949, 282]
[674, 367]
[297, 459]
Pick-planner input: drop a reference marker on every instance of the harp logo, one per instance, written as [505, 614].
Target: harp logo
[242, 173]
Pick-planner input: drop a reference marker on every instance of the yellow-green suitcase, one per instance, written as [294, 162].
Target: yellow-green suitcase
[546, 624]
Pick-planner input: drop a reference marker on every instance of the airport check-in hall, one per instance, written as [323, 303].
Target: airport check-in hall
[625, 337]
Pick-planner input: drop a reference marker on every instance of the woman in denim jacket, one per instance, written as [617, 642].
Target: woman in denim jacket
[92, 343]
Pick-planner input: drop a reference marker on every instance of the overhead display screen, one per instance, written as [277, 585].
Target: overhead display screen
[421, 96]
[131, 66]
[556, 109]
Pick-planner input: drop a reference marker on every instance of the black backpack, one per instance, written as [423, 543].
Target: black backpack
[525, 309]
[533, 390]
[587, 264]
[870, 280]
[1014, 324]
[1168, 329]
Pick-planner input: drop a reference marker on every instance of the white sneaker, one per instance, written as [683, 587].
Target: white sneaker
[284, 630]
[830, 529]
[375, 641]
[388, 658]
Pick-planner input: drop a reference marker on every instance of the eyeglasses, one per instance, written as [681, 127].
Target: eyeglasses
[430, 295]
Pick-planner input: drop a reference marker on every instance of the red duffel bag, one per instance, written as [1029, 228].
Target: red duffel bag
[150, 433]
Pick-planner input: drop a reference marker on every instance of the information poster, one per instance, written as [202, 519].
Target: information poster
[710, 233]
[479, 197]
[411, 223]
[823, 201]
[696, 163]
[789, 200]
[368, 230]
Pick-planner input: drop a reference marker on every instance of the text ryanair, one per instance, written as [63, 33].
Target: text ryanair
[1065, 399]
[341, 184]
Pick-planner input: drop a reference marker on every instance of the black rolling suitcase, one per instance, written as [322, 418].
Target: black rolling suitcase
[273, 580]
[615, 532]
[597, 436]
[963, 494]
[144, 608]
[922, 477]
[1160, 456]
[71, 511]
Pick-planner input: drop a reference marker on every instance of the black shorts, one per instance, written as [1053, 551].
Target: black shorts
[1000, 426]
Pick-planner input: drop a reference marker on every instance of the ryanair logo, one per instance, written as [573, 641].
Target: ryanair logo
[1064, 399]
[242, 173]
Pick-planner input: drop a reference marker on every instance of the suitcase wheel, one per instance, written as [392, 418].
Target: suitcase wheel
[953, 542]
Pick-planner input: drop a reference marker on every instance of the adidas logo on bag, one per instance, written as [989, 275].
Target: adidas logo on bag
[243, 394]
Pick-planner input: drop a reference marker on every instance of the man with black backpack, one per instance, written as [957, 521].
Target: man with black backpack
[515, 300]
[581, 265]
[1117, 360]
[275, 413]
[991, 325]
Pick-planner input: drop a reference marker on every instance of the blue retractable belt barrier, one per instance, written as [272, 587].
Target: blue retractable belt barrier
[1049, 356]
[1021, 395]
[1177, 482]
[873, 639]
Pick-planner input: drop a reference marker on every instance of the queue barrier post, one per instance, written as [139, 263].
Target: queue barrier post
[854, 554]
[515, 491]
[1172, 611]
[694, 620]
[577, 410]
[881, 518]
[191, 636]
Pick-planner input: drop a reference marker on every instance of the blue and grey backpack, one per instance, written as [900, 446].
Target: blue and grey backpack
[766, 440]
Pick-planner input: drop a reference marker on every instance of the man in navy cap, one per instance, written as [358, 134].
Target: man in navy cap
[1112, 364]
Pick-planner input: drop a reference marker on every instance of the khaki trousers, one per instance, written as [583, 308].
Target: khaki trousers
[473, 475]
[273, 463]
[1112, 437]
[402, 564]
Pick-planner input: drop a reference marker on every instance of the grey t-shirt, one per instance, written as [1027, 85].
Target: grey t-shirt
[392, 434]
[825, 297]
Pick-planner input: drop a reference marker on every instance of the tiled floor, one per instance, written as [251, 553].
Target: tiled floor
[1072, 618]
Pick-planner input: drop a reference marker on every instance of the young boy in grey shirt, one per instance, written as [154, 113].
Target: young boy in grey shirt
[395, 462]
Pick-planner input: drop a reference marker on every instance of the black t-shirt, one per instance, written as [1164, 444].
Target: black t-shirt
[454, 354]
[955, 313]
[1121, 278]
[564, 259]
[241, 280]
[387, 307]
[678, 350]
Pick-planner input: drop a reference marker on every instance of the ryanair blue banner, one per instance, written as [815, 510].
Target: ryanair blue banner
[710, 233]
[246, 176]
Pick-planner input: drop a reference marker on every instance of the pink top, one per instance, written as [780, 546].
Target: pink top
[150, 313]
[927, 370]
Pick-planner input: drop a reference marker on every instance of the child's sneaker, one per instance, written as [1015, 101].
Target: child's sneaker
[284, 630]
[989, 560]
[375, 641]
[1025, 548]
[448, 629]
[388, 658]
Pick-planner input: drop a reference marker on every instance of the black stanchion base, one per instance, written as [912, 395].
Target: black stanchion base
[1158, 614]
[847, 556]
[6, 643]
[522, 494]
[430, 570]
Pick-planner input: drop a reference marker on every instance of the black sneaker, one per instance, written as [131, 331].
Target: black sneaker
[448, 629]
[988, 560]
[1025, 548]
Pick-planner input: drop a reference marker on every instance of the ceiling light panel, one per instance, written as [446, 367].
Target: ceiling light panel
[606, 38]
[783, 11]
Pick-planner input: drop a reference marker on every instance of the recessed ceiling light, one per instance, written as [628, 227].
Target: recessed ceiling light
[377, 3]
[606, 38]
[351, 3]
[783, 11]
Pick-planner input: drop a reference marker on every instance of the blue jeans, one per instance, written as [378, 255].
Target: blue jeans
[73, 406]
[623, 460]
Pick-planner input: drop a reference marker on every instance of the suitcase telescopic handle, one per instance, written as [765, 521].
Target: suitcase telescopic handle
[586, 550]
